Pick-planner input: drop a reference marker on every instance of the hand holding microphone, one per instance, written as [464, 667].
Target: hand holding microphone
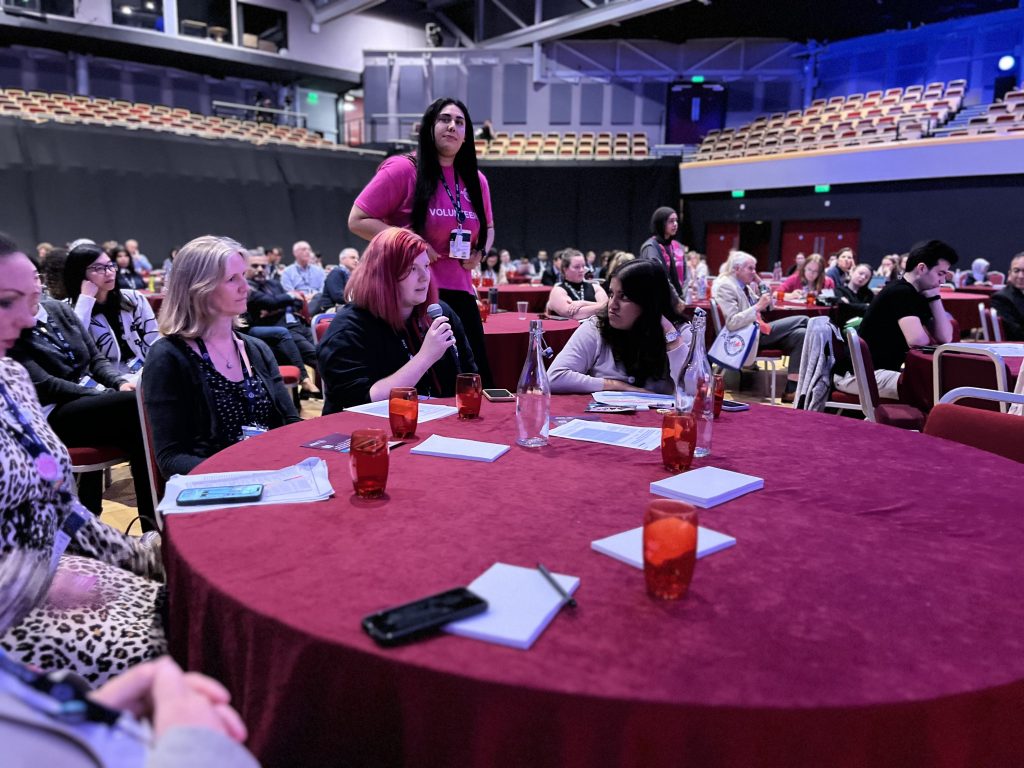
[440, 337]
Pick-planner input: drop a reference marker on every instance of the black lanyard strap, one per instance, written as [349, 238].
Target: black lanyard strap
[460, 215]
[62, 345]
[249, 386]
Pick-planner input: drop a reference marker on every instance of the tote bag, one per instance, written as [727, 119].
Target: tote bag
[731, 348]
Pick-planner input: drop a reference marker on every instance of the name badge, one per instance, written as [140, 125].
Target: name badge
[134, 365]
[458, 243]
[89, 382]
[249, 430]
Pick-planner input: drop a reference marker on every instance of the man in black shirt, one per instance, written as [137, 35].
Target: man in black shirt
[907, 313]
[1009, 302]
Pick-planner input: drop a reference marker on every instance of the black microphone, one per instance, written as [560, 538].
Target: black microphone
[435, 311]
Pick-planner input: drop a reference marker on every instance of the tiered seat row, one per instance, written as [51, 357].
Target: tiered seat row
[570, 145]
[1006, 116]
[40, 107]
[875, 117]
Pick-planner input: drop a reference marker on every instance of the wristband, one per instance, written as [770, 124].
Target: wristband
[936, 297]
[671, 336]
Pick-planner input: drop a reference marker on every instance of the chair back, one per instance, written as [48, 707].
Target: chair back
[716, 317]
[996, 278]
[320, 325]
[996, 323]
[156, 480]
[986, 333]
[864, 372]
[999, 433]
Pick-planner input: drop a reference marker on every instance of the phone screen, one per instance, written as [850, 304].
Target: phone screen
[227, 493]
[417, 618]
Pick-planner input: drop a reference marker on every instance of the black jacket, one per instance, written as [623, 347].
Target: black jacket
[856, 303]
[55, 376]
[268, 302]
[359, 349]
[180, 405]
[1009, 305]
[333, 293]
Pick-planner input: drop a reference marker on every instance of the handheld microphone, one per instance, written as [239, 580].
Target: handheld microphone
[434, 311]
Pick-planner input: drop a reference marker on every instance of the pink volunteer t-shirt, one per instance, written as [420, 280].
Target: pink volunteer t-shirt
[389, 197]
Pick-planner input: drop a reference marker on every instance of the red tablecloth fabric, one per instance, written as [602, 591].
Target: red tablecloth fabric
[510, 295]
[507, 339]
[987, 290]
[868, 616]
[917, 385]
[964, 308]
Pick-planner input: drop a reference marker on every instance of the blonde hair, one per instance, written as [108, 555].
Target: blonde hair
[199, 268]
[618, 259]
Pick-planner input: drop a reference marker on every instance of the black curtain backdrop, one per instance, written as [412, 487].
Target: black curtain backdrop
[62, 182]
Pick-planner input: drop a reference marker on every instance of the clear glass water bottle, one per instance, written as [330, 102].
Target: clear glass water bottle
[533, 393]
[695, 383]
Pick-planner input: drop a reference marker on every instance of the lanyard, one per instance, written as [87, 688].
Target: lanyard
[60, 343]
[460, 215]
[59, 694]
[248, 380]
[581, 295]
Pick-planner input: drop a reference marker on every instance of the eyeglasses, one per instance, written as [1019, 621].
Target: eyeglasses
[97, 268]
[447, 120]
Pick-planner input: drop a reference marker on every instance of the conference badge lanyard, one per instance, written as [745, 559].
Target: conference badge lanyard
[249, 388]
[56, 340]
[458, 239]
[48, 468]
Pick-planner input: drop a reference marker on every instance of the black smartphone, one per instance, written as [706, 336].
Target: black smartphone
[228, 494]
[422, 617]
[499, 396]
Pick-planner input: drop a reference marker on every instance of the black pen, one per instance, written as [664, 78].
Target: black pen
[567, 599]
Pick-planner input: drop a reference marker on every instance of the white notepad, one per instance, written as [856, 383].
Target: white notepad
[427, 411]
[628, 547]
[707, 486]
[457, 448]
[520, 604]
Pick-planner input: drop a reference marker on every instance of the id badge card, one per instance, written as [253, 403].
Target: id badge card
[134, 365]
[89, 382]
[458, 243]
[248, 430]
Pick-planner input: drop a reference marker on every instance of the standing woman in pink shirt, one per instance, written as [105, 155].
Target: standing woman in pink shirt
[440, 195]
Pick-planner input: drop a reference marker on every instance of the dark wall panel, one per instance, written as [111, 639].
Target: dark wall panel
[513, 97]
[560, 110]
[446, 82]
[591, 104]
[479, 94]
[623, 103]
[412, 97]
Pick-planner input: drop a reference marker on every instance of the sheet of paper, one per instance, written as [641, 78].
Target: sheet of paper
[621, 435]
[520, 604]
[427, 411]
[628, 547]
[457, 448]
[1003, 350]
[707, 486]
[339, 443]
[637, 400]
[305, 481]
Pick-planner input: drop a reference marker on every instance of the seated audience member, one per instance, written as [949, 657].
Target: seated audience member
[741, 306]
[206, 388]
[978, 274]
[120, 321]
[274, 255]
[304, 277]
[573, 296]
[87, 401]
[140, 261]
[43, 250]
[127, 276]
[810, 280]
[539, 264]
[631, 345]
[100, 615]
[907, 313]
[383, 337]
[505, 260]
[662, 248]
[855, 297]
[840, 271]
[696, 266]
[616, 259]
[1009, 302]
[548, 270]
[491, 269]
[593, 266]
[269, 306]
[336, 282]
[798, 264]
[890, 264]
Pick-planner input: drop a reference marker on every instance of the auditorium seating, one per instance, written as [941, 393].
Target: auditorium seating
[39, 107]
[875, 117]
[568, 145]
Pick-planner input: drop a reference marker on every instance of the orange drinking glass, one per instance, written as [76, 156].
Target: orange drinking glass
[485, 310]
[811, 299]
[403, 411]
[780, 296]
[718, 380]
[678, 440]
[368, 462]
[670, 548]
[468, 394]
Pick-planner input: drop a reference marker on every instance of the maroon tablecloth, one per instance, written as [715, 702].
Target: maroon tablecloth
[507, 339]
[987, 290]
[868, 616]
[510, 295]
[964, 308]
[917, 385]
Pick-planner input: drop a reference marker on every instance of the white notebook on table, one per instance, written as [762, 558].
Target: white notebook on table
[628, 547]
[457, 448]
[520, 604]
[707, 486]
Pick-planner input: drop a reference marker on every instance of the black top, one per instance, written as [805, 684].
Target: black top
[359, 349]
[1009, 305]
[269, 302]
[183, 408]
[857, 303]
[881, 328]
[579, 291]
[333, 293]
[236, 403]
[127, 278]
[58, 353]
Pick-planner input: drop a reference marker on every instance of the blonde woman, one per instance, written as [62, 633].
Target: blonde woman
[205, 386]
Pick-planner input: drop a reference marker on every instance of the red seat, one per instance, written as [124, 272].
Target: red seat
[889, 413]
[289, 375]
[990, 431]
[94, 458]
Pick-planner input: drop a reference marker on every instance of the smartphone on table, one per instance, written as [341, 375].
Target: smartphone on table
[422, 617]
[227, 494]
[499, 396]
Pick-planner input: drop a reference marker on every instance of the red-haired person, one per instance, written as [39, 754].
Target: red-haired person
[383, 337]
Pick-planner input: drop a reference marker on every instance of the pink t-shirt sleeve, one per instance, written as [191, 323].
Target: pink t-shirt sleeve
[389, 195]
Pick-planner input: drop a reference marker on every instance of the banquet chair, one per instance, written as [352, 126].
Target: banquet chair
[320, 325]
[770, 357]
[892, 414]
[991, 324]
[991, 431]
[969, 349]
[996, 277]
[156, 480]
[95, 459]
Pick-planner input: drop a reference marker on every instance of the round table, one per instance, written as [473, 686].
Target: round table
[986, 290]
[917, 386]
[509, 296]
[868, 615]
[507, 338]
[964, 308]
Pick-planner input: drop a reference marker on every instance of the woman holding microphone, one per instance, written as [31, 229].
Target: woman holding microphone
[440, 195]
[387, 336]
